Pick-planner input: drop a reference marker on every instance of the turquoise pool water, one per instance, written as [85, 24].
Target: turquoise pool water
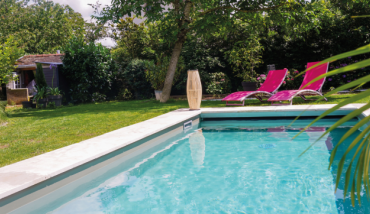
[223, 167]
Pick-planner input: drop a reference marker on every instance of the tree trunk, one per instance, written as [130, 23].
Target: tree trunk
[181, 37]
[166, 91]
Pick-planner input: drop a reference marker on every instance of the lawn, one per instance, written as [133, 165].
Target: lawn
[32, 132]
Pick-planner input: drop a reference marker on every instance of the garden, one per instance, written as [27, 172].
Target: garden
[233, 47]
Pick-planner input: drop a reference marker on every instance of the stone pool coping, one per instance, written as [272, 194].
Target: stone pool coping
[24, 174]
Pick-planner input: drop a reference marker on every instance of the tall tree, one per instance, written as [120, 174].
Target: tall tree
[9, 53]
[40, 26]
[203, 17]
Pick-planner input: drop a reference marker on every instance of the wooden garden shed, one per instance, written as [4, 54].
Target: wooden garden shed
[26, 71]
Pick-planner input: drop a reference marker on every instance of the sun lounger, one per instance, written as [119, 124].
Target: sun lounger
[272, 83]
[311, 89]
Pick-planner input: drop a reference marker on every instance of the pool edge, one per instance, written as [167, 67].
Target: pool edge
[40, 168]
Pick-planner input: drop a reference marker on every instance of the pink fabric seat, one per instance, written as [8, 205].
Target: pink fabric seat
[272, 83]
[312, 89]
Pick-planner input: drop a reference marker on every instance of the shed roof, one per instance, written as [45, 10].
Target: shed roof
[28, 61]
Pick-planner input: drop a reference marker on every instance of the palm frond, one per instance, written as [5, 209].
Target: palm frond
[360, 176]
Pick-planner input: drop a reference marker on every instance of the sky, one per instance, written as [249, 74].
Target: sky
[81, 6]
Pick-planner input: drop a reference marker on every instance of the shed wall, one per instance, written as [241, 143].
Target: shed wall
[49, 77]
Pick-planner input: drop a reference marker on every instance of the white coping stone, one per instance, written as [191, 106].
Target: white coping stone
[21, 175]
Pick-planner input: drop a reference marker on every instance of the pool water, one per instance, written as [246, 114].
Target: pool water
[226, 167]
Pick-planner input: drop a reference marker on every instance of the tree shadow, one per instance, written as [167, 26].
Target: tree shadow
[134, 107]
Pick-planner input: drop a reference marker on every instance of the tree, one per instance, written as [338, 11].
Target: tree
[41, 26]
[40, 77]
[202, 17]
[9, 53]
[131, 41]
[89, 68]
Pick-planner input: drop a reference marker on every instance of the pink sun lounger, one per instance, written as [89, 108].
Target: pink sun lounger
[311, 89]
[272, 83]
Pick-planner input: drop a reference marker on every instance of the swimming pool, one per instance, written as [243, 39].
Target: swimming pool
[238, 166]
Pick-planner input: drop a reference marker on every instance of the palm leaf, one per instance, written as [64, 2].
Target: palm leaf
[361, 172]
[342, 160]
[366, 171]
[336, 107]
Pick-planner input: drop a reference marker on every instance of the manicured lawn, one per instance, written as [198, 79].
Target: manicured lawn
[33, 132]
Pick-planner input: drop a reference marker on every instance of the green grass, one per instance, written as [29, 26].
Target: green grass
[3, 116]
[33, 132]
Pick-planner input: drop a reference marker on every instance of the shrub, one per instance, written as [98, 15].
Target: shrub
[40, 77]
[51, 105]
[219, 84]
[124, 94]
[134, 78]
[89, 68]
[156, 73]
[98, 97]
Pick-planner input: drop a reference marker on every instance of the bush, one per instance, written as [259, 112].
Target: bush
[124, 94]
[89, 68]
[134, 79]
[156, 73]
[40, 77]
[51, 105]
[97, 97]
[219, 84]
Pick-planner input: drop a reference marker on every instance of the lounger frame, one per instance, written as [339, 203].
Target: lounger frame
[302, 94]
[306, 92]
[254, 94]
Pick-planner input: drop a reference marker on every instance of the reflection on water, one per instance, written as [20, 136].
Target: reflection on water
[236, 176]
[197, 147]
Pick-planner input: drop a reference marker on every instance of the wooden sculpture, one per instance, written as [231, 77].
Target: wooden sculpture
[194, 90]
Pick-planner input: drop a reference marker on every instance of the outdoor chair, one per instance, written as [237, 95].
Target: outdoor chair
[272, 83]
[312, 89]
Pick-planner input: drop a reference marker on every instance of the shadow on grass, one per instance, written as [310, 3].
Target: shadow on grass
[137, 106]
[144, 106]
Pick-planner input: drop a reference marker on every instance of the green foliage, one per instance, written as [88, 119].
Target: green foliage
[336, 33]
[51, 105]
[89, 68]
[41, 27]
[244, 57]
[293, 81]
[130, 41]
[137, 41]
[156, 73]
[41, 93]
[361, 143]
[9, 53]
[40, 77]
[203, 55]
[179, 19]
[219, 84]
[98, 97]
[124, 94]
[54, 91]
[81, 122]
[135, 80]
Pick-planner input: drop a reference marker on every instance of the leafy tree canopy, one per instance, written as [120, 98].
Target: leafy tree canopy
[40, 26]
[205, 17]
[9, 53]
